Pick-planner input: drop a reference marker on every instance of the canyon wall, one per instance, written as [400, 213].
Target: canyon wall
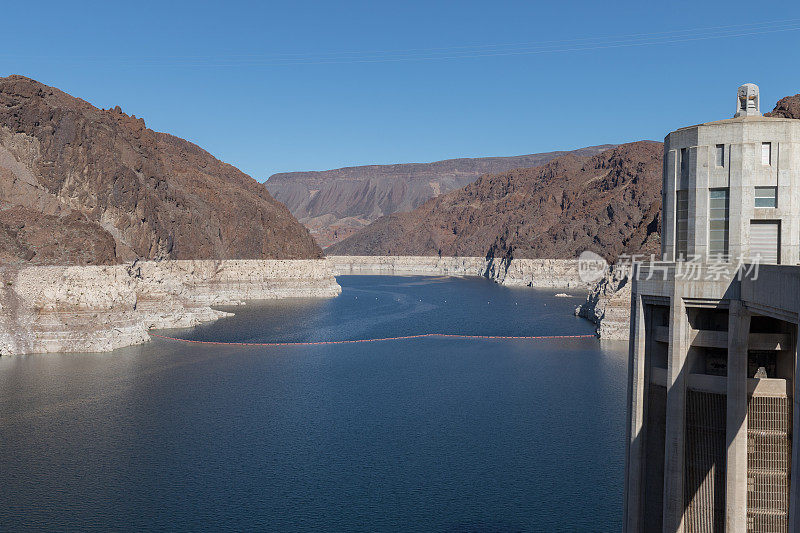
[334, 204]
[396, 265]
[542, 273]
[45, 309]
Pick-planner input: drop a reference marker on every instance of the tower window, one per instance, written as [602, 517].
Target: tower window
[766, 153]
[720, 155]
[766, 197]
[681, 224]
[718, 222]
[684, 164]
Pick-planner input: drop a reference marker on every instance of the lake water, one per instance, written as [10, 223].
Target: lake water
[428, 434]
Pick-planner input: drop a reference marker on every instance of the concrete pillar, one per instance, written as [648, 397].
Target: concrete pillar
[794, 486]
[668, 211]
[736, 424]
[676, 412]
[698, 194]
[637, 383]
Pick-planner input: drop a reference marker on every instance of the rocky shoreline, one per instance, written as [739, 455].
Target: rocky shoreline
[608, 304]
[542, 273]
[51, 309]
[47, 309]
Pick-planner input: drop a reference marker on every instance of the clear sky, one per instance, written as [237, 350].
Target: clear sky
[281, 86]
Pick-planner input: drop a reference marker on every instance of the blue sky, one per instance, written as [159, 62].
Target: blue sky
[281, 86]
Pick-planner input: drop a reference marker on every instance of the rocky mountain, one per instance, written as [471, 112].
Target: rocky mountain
[333, 204]
[82, 185]
[788, 107]
[608, 203]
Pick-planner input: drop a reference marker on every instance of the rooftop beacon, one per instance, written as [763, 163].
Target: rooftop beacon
[748, 102]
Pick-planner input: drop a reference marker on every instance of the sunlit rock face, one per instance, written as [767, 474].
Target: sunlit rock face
[82, 185]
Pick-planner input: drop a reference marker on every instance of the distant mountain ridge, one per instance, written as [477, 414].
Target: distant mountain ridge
[82, 185]
[333, 204]
[608, 203]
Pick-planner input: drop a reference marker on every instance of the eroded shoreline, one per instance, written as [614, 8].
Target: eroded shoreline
[49, 309]
[59, 309]
[542, 273]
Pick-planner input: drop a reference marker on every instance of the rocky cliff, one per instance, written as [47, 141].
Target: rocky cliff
[608, 203]
[82, 185]
[333, 204]
[608, 304]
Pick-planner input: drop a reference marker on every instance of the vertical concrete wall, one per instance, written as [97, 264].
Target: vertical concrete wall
[736, 433]
[794, 494]
[695, 464]
[676, 407]
[635, 457]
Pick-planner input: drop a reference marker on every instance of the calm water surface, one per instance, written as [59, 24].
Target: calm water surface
[419, 435]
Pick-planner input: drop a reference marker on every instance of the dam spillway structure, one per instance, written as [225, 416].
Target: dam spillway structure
[712, 380]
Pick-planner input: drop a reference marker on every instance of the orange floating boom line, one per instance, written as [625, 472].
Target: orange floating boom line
[354, 341]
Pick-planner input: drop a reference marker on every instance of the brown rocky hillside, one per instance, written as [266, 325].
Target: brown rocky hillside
[788, 107]
[608, 203]
[334, 204]
[82, 185]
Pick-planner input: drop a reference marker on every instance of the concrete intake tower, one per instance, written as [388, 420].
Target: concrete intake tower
[712, 383]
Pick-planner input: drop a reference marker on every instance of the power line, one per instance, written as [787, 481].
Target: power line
[461, 51]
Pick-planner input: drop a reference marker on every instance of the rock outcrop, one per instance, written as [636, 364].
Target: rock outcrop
[788, 107]
[46, 309]
[609, 304]
[334, 204]
[29, 236]
[608, 203]
[82, 185]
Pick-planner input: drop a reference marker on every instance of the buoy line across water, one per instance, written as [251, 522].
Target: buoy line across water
[383, 339]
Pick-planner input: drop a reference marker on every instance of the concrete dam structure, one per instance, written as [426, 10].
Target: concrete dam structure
[712, 383]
